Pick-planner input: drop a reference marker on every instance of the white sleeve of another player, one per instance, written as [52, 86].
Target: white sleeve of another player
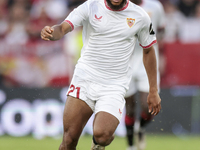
[161, 16]
[78, 15]
[146, 36]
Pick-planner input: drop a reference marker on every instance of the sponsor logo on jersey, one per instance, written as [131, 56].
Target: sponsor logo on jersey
[151, 29]
[130, 22]
[98, 18]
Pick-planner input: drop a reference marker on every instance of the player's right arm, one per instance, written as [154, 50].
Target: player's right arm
[73, 20]
[55, 32]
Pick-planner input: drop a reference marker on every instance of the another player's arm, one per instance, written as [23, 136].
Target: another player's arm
[55, 32]
[149, 60]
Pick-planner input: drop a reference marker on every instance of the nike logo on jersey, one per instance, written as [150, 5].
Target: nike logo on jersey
[130, 22]
[98, 18]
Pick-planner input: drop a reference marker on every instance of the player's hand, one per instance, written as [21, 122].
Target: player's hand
[154, 103]
[46, 33]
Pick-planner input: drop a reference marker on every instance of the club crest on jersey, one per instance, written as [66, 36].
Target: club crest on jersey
[130, 22]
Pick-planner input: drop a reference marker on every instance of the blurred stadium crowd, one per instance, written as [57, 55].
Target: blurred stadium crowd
[27, 61]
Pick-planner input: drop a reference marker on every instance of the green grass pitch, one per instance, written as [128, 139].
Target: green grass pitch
[154, 142]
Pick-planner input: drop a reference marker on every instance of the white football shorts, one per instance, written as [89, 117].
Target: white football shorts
[99, 97]
[140, 82]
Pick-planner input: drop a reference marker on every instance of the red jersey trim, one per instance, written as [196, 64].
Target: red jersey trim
[119, 9]
[69, 22]
[155, 41]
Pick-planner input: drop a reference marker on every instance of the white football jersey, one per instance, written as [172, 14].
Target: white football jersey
[156, 12]
[109, 38]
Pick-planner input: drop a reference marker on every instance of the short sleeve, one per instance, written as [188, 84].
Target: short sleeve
[146, 35]
[78, 15]
[161, 16]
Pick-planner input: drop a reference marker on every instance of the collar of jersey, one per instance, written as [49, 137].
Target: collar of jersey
[119, 9]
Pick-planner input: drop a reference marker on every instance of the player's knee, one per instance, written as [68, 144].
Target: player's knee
[69, 141]
[103, 138]
[129, 121]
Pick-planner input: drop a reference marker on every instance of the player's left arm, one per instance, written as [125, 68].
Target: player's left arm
[149, 60]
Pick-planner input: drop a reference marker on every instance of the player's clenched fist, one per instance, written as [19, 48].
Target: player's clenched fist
[46, 33]
[154, 103]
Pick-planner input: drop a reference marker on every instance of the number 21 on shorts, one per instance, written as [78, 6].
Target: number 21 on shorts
[72, 88]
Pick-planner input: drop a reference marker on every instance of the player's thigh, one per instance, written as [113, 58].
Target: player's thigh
[143, 88]
[109, 108]
[130, 105]
[76, 115]
[143, 101]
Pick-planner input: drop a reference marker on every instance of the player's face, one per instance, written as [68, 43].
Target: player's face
[116, 4]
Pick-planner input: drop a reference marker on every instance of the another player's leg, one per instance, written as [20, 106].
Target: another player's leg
[104, 127]
[130, 120]
[76, 115]
[145, 119]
